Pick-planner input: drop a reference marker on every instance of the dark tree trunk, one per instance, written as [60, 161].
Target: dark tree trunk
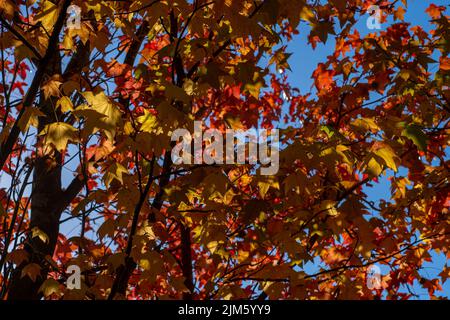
[44, 216]
[46, 206]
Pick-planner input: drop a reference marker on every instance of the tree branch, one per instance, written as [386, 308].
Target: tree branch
[20, 37]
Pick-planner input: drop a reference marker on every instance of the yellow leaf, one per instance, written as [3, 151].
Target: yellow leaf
[306, 13]
[102, 104]
[36, 232]
[146, 230]
[115, 171]
[254, 88]
[228, 197]
[213, 246]
[242, 255]
[29, 117]
[65, 104]
[49, 287]
[93, 119]
[47, 15]
[329, 206]
[51, 87]
[234, 122]
[265, 184]
[388, 155]
[59, 134]
[365, 124]
[150, 261]
[374, 168]
[148, 121]
[189, 87]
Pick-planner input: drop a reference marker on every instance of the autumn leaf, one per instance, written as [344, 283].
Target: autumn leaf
[265, 184]
[388, 155]
[148, 121]
[18, 256]
[47, 15]
[102, 104]
[434, 11]
[87, 175]
[36, 232]
[30, 117]
[7, 7]
[51, 87]
[31, 270]
[417, 136]
[59, 134]
[114, 172]
[65, 104]
[49, 287]
[323, 78]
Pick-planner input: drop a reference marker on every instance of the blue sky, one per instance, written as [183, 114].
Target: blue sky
[304, 61]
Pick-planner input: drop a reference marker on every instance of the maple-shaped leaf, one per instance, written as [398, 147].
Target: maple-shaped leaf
[65, 104]
[49, 287]
[51, 86]
[388, 155]
[103, 105]
[435, 11]
[47, 15]
[148, 121]
[31, 270]
[30, 117]
[445, 274]
[415, 133]
[59, 134]
[106, 229]
[18, 256]
[114, 172]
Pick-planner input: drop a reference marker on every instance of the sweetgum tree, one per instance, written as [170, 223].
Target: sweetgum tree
[86, 116]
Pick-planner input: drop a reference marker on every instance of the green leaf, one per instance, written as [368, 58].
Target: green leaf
[329, 130]
[415, 133]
